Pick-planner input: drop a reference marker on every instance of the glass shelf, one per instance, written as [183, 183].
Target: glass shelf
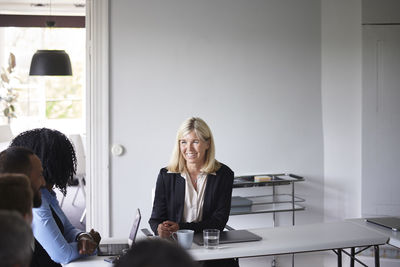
[276, 179]
[270, 199]
[268, 208]
[267, 203]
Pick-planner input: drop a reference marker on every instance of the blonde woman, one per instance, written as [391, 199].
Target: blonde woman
[194, 191]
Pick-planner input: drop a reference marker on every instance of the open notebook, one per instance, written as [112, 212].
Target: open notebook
[116, 249]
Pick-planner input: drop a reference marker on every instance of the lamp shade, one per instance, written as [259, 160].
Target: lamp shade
[50, 62]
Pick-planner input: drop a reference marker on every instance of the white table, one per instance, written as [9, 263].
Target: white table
[285, 240]
[394, 237]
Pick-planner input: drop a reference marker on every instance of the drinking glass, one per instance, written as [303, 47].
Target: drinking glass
[211, 238]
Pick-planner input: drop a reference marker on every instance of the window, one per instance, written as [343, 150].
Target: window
[46, 101]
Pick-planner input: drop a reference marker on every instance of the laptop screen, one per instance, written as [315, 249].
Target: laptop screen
[111, 249]
[135, 227]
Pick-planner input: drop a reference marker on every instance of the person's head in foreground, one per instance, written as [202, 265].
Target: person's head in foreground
[16, 194]
[23, 161]
[194, 146]
[156, 253]
[16, 240]
[55, 151]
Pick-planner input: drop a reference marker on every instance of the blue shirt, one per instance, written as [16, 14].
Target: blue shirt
[62, 248]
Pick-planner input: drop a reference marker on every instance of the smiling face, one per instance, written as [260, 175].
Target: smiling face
[193, 149]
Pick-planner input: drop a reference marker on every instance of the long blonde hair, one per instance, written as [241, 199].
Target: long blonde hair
[177, 163]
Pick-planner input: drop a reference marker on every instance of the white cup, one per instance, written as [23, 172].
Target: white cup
[211, 238]
[184, 238]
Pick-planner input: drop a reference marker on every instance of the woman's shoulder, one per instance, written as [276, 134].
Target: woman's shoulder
[45, 195]
[224, 169]
[165, 172]
[44, 210]
[167, 177]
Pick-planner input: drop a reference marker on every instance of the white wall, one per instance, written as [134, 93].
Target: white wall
[341, 101]
[251, 69]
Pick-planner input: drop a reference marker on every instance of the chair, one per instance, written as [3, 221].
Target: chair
[76, 140]
[5, 136]
[5, 133]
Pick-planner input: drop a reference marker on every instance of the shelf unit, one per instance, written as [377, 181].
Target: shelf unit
[271, 203]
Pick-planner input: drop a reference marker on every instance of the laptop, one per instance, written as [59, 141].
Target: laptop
[388, 222]
[116, 249]
[233, 236]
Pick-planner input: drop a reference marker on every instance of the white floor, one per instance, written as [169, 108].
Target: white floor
[300, 260]
[73, 211]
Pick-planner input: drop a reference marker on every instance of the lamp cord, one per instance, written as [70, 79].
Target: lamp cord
[50, 23]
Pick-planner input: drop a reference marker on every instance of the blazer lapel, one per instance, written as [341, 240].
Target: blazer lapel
[179, 196]
[208, 194]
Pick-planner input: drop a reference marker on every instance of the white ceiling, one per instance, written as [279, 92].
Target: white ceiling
[58, 7]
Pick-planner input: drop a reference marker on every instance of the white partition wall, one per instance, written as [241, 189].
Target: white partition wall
[251, 69]
[381, 121]
[341, 102]
[279, 82]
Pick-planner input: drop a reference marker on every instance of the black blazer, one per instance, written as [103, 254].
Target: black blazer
[169, 200]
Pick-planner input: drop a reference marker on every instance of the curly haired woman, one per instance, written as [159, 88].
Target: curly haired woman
[56, 239]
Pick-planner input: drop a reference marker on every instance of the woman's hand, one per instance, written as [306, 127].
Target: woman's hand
[86, 244]
[95, 235]
[165, 229]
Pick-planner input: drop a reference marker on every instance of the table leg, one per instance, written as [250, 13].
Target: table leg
[339, 257]
[293, 211]
[273, 199]
[353, 254]
[376, 252]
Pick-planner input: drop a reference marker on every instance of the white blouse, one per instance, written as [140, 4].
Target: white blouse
[193, 208]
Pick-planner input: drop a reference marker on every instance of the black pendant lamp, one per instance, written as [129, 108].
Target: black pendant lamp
[50, 62]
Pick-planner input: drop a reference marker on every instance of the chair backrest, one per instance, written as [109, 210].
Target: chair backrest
[5, 133]
[76, 140]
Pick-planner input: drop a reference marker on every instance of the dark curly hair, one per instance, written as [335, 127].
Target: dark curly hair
[55, 151]
[156, 253]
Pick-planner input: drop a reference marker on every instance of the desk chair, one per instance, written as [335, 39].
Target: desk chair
[76, 140]
[5, 133]
[5, 136]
